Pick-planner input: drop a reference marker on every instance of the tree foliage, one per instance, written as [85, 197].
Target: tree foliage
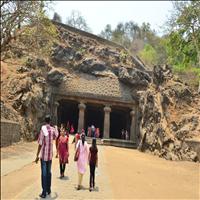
[184, 34]
[148, 55]
[180, 47]
[107, 32]
[141, 40]
[26, 23]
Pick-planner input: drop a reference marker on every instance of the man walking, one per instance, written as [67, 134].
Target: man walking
[45, 148]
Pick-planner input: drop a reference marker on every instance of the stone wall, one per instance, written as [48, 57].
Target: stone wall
[10, 132]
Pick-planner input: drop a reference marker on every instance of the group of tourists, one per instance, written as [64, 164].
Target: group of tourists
[83, 154]
[93, 132]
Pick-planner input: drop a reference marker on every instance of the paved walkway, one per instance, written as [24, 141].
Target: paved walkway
[122, 174]
[26, 180]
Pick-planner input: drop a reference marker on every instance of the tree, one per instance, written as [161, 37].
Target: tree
[149, 55]
[13, 14]
[77, 20]
[107, 32]
[139, 40]
[57, 17]
[184, 32]
[18, 21]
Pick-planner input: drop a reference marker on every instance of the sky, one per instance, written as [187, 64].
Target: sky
[99, 13]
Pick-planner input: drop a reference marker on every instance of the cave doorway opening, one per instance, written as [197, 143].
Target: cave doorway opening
[94, 115]
[68, 112]
[119, 119]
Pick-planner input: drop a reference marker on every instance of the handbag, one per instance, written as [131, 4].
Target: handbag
[76, 156]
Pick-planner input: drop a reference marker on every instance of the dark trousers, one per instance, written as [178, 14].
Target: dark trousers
[62, 168]
[92, 175]
[46, 176]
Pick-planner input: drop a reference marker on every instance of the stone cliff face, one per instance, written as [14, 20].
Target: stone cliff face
[168, 110]
[169, 114]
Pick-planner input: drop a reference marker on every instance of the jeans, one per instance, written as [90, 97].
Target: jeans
[92, 175]
[46, 176]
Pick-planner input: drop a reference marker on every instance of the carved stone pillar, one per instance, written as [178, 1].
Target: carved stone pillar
[81, 107]
[56, 104]
[106, 131]
[132, 129]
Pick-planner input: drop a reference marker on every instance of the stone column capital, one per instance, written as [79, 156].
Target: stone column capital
[56, 104]
[132, 113]
[107, 109]
[81, 106]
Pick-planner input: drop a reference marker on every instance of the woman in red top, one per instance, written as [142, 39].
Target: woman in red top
[93, 162]
[59, 129]
[63, 151]
[72, 129]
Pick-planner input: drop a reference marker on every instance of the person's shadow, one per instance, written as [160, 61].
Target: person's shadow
[63, 178]
[96, 189]
[50, 197]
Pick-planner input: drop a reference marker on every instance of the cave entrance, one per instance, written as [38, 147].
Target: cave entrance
[119, 119]
[94, 115]
[68, 112]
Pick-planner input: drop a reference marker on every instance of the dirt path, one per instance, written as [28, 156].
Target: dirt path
[143, 176]
[122, 174]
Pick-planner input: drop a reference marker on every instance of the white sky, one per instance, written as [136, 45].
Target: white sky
[99, 13]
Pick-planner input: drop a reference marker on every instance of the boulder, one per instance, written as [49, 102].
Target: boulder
[134, 77]
[63, 54]
[55, 77]
[90, 65]
[40, 62]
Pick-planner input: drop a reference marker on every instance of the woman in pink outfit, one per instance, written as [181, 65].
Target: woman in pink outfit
[82, 159]
[63, 151]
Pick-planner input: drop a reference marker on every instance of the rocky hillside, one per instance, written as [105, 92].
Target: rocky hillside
[169, 114]
[169, 110]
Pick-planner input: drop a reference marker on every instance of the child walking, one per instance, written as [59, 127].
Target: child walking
[63, 151]
[93, 162]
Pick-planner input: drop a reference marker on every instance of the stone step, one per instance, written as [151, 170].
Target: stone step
[119, 143]
[98, 140]
[113, 142]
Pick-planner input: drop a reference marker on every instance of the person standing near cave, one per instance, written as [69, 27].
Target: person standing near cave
[122, 134]
[62, 126]
[97, 133]
[72, 129]
[93, 163]
[89, 131]
[82, 161]
[126, 135]
[76, 138]
[63, 151]
[93, 131]
[45, 149]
